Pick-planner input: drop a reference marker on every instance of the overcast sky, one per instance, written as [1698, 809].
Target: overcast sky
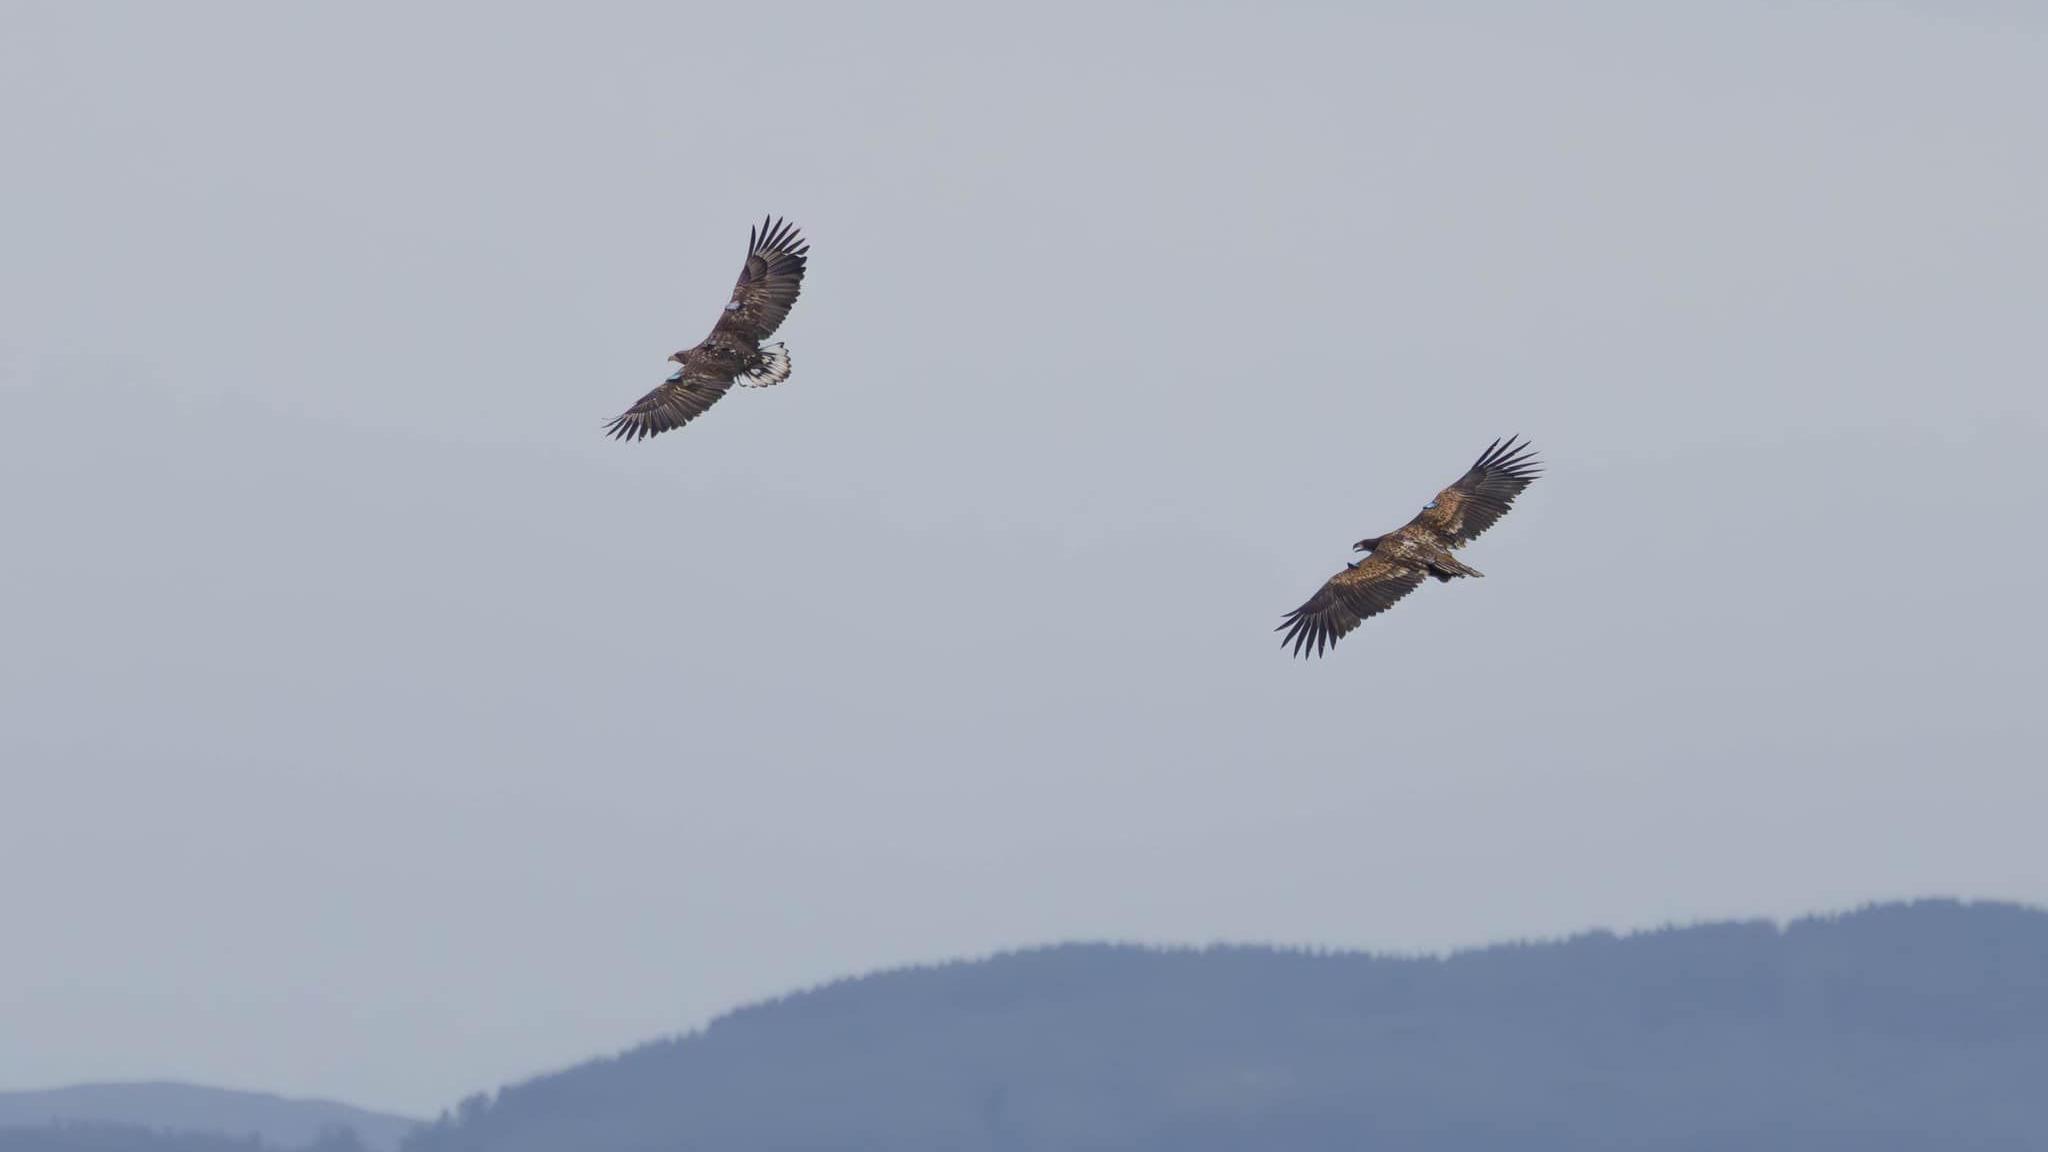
[375, 728]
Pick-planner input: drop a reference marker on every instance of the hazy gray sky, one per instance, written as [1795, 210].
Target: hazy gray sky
[376, 728]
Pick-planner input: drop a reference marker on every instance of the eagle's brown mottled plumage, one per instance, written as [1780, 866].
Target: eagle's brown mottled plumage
[768, 286]
[1399, 561]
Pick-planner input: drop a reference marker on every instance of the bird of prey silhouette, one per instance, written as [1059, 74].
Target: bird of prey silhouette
[733, 353]
[1398, 562]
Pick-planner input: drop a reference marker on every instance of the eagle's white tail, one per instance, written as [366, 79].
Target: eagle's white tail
[773, 368]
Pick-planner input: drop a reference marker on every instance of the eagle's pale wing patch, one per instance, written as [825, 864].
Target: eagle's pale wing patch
[1482, 495]
[769, 282]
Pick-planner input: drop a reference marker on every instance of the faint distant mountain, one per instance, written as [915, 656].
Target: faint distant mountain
[277, 1121]
[1918, 1025]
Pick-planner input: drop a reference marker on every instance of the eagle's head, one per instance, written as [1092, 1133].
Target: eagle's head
[1366, 545]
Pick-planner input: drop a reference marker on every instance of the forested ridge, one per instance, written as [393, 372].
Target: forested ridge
[1904, 1025]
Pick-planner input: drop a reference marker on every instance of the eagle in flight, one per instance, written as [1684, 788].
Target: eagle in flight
[1398, 561]
[733, 353]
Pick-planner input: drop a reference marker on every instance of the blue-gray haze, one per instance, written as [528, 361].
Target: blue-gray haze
[375, 729]
[157, 1106]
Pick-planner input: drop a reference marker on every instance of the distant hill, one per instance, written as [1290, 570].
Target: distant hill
[278, 1122]
[1900, 1026]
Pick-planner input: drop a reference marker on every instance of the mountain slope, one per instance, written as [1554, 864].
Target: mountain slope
[280, 1122]
[1917, 1025]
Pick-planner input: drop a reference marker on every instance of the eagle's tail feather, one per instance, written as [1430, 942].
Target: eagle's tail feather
[771, 367]
[1447, 568]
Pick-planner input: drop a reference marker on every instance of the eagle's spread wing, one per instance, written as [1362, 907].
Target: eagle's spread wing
[1364, 589]
[1482, 495]
[680, 399]
[768, 284]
